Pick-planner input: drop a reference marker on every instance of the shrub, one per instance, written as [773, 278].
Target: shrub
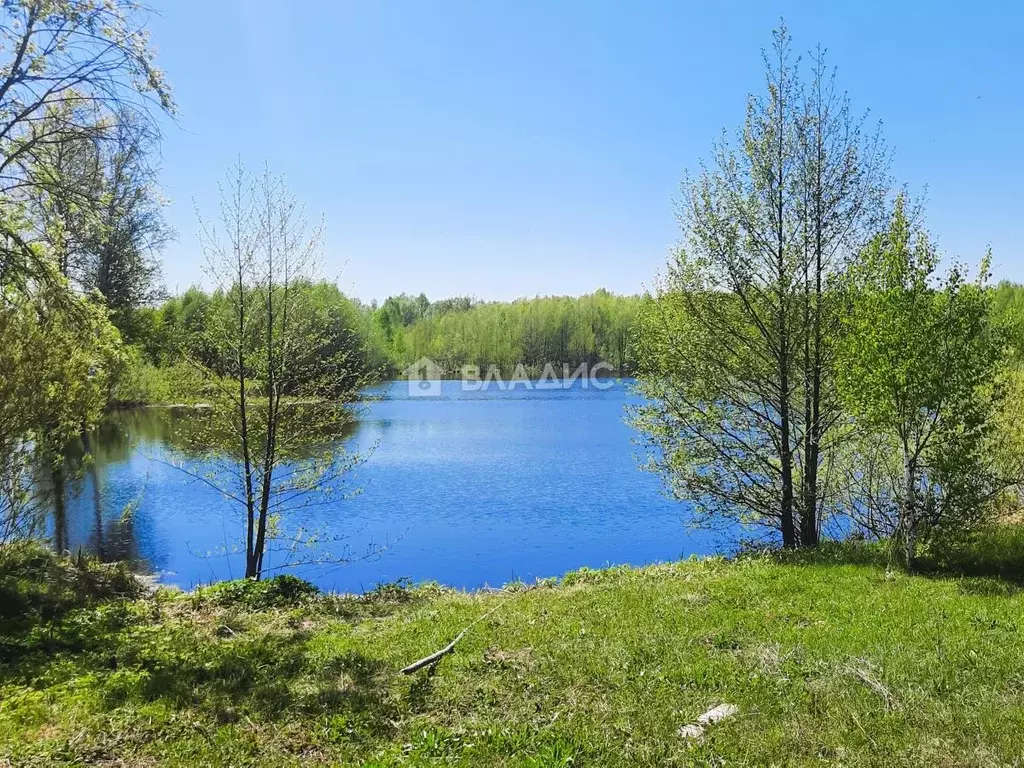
[279, 591]
[37, 584]
[139, 382]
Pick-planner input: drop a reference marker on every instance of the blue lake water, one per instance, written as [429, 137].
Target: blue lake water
[468, 488]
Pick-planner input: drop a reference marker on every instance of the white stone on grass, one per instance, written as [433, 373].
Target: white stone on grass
[695, 730]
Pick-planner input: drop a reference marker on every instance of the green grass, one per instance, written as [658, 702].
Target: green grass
[831, 663]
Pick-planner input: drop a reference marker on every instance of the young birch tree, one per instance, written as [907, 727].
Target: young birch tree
[918, 360]
[275, 430]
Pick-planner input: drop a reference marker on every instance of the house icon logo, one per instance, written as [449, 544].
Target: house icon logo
[424, 378]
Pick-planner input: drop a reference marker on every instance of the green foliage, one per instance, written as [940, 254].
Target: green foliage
[386, 340]
[277, 348]
[708, 432]
[70, 72]
[834, 660]
[276, 592]
[76, 77]
[736, 343]
[140, 382]
[917, 366]
[994, 551]
[120, 260]
[59, 358]
[100, 213]
[183, 329]
[1006, 438]
[57, 362]
[37, 585]
[456, 333]
[1008, 313]
[912, 343]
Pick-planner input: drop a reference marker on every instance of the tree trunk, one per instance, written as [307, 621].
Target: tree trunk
[785, 446]
[908, 515]
[809, 533]
[251, 567]
[808, 487]
[786, 511]
[60, 518]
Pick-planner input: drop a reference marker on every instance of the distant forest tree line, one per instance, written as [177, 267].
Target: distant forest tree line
[388, 338]
[384, 340]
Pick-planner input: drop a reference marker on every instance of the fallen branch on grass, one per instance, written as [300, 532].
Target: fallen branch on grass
[436, 656]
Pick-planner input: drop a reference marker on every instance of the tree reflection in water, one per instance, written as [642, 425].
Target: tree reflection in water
[89, 513]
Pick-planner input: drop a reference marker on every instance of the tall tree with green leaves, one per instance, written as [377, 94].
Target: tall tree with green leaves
[734, 346]
[128, 228]
[64, 207]
[56, 365]
[842, 185]
[68, 69]
[101, 214]
[917, 365]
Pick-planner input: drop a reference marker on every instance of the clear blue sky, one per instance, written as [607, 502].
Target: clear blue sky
[534, 147]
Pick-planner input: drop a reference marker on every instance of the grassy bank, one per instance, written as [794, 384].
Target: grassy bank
[830, 663]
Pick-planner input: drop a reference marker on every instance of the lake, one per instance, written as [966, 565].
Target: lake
[468, 488]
